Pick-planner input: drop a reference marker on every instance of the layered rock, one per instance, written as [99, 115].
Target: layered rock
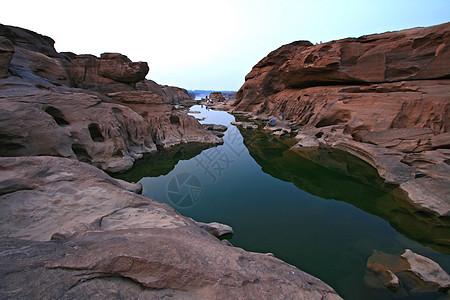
[177, 96]
[382, 97]
[167, 126]
[44, 111]
[109, 242]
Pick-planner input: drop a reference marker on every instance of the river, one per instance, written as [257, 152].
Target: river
[312, 216]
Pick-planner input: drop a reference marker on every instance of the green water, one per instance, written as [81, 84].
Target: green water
[324, 212]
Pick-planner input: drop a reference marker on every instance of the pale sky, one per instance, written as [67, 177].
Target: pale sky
[210, 44]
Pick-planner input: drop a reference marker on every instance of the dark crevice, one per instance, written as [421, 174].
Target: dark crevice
[96, 134]
[308, 84]
[81, 153]
[57, 115]
[174, 119]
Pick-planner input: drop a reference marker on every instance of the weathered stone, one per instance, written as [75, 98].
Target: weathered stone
[120, 68]
[411, 272]
[215, 127]
[216, 97]
[370, 90]
[6, 54]
[167, 126]
[42, 196]
[76, 125]
[216, 229]
[41, 113]
[110, 242]
[245, 125]
[418, 53]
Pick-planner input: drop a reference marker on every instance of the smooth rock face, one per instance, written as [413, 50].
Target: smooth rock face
[111, 242]
[382, 97]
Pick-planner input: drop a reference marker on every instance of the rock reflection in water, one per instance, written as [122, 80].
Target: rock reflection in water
[334, 174]
[161, 162]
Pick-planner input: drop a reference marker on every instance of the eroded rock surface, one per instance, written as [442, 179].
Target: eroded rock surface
[382, 97]
[97, 110]
[110, 242]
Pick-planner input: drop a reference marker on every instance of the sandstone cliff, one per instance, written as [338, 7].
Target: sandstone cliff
[382, 97]
[99, 110]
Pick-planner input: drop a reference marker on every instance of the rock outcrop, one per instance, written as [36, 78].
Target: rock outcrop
[382, 97]
[216, 97]
[98, 110]
[80, 233]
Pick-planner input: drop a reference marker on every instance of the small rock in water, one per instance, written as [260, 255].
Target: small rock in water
[216, 229]
[409, 273]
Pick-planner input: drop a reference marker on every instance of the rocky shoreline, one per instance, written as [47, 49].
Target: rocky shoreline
[68, 230]
[383, 98]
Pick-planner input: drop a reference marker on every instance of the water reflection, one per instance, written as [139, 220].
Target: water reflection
[334, 174]
[161, 162]
[326, 218]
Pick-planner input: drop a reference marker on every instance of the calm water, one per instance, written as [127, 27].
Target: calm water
[314, 216]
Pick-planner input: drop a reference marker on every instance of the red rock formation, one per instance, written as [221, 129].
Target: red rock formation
[368, 96]
[41, 113]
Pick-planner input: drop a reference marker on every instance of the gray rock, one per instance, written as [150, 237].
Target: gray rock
[216, 229]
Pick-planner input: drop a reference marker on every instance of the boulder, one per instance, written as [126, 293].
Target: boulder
[112, 72]
[216, 229]
[216, 97]
[408, 274]
[120, 68]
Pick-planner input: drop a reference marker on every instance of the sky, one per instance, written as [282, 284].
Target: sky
[210, 44]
